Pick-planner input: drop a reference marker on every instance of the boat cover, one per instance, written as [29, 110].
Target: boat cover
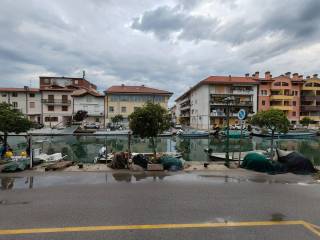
[296, 163]
[171, 163]
[260, 163]
[140, 160]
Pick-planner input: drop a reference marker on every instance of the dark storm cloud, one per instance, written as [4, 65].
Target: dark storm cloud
[165, 21]
[294, 18]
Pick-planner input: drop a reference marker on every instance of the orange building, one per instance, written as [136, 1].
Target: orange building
[282, 92]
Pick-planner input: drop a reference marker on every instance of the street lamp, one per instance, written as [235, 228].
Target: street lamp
[228, 100]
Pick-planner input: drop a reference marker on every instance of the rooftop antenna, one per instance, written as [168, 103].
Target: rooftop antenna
[83, 74]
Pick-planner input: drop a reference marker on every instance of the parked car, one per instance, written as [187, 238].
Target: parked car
[92, 126]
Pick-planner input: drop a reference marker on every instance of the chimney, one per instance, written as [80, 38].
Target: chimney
[256, 75]
[300, 77]
[122, 85]
[288, 74]
[142, 85]
[229, 77]
[267, 75]
[315, 75]
[295, 76]
[247, 74]
[308, 77]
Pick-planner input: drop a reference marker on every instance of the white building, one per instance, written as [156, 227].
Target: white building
[57, 100]
[26, 100]
[203, 106]
[92, 102]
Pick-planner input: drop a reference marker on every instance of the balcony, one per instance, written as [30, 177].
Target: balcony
[281, 97]
[310, 108]
[185, 107]
[310, 98]
[56, 102]
[242, 92]
[240, 104]
[283, 108]
[186, 115]
[219, 114]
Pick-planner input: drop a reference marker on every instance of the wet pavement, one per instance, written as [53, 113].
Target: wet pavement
[31, 200]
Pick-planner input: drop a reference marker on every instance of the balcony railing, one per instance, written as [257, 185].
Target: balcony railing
[306, 108]
[56, 102]
[218, 114]
[242, 103]
[310, 98]
[281, 97]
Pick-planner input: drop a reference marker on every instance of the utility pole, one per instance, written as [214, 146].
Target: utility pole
[228, 100]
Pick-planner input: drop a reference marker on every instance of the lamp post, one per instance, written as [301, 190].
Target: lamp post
[26, 89]
[228, 100]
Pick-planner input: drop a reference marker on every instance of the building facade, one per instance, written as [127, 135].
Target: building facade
[310, 99]
[26, 100]
[92, 102]
[204, 106]
[124, 100]
[283, 93]
[57, 100]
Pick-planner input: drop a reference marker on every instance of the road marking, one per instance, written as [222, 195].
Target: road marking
[312, 228]
[156, 226]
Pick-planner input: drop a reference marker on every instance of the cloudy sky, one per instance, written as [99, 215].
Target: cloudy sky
[168, 44]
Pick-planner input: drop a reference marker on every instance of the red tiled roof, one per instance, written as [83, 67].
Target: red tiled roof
[228, 80]
[221, 80]
[19, 90]
[82, 92]
[136, 90]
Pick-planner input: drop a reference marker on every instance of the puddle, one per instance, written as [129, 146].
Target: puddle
[30, 182]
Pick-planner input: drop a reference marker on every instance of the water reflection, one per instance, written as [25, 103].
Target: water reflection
[85, 148]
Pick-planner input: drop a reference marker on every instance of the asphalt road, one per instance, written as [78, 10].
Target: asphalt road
[189, 206]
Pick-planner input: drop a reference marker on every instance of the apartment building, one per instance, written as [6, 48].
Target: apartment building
[57, 100]
[26, 100]
[310, 99]
[92, 102]
[204, 106]
[125, 99]
[282, 92]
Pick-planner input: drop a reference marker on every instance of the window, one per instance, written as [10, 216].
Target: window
[14, 94]
[76, 82]
[51, 108]
[263, 102]
[64, 98]
[293, 114]
[64, 108]
[4, 95]
[285, 84]
[123, 109]
[51, 119]
[135, 108]
[32, 104]
[46, 80]
[316, 84]
[308, 85]
[97, 120]
[32, 95]
[51, 98]
[294, 103]
[89, 99]
[277, 84]
[111, 109]
[15, 104]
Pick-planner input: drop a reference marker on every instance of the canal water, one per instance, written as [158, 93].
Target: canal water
[85, 148]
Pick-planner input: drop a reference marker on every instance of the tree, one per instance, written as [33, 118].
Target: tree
[80, 115]
[116, 119]
[12, 120]
[306, 121]
[149, 121]
[274, 120]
